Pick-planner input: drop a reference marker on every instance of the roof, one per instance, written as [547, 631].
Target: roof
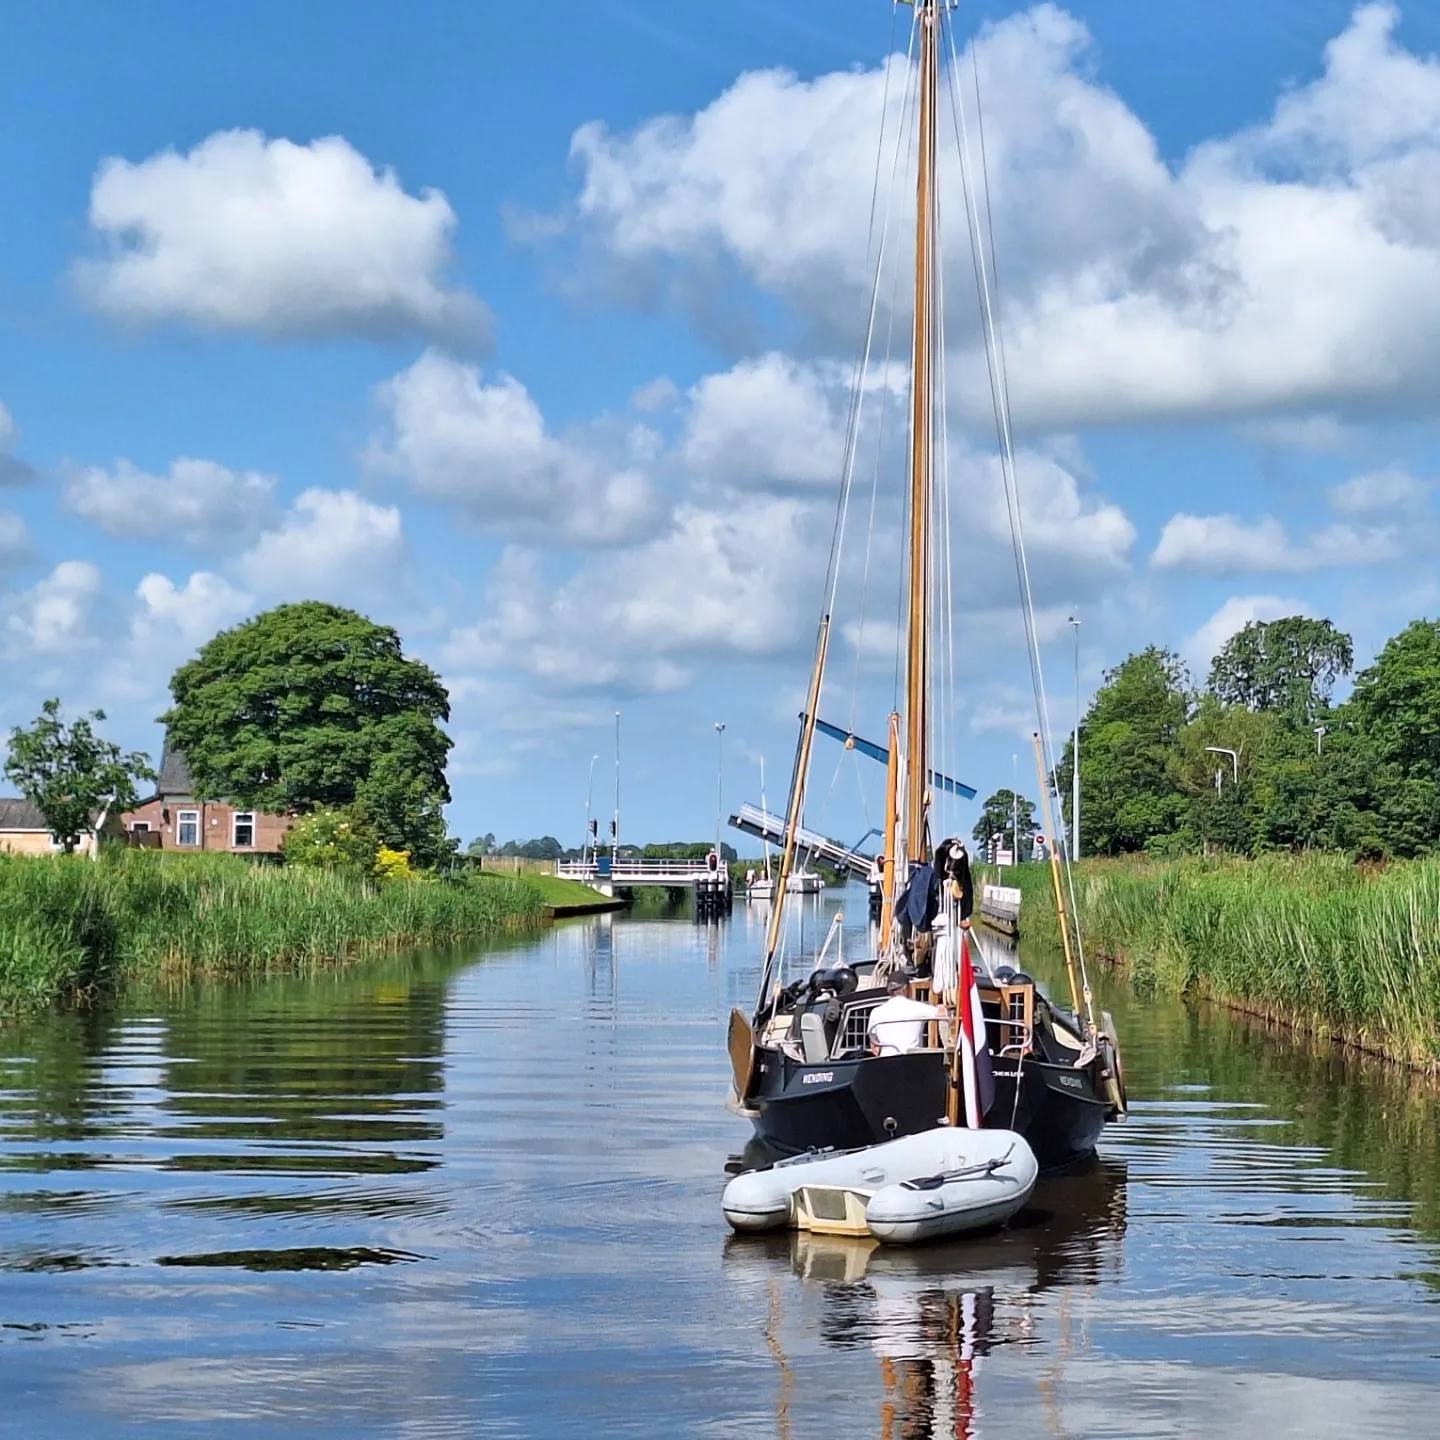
[18, 814]
[174, 773]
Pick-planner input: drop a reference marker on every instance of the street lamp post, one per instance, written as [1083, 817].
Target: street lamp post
[589, 795]
[719, 781]
[1234, 760]
[615, 823]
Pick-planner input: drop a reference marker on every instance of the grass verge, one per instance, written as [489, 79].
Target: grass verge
[70, 928]
[1312, 940]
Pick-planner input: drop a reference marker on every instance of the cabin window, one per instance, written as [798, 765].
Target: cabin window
[187, 827]
[242, 835]
[141, 827]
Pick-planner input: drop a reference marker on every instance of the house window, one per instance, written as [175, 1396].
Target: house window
[187, 827]
[242, 834]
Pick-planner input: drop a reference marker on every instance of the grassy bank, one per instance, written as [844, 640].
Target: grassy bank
[69, 927]
[562, 896]
[1312, 940]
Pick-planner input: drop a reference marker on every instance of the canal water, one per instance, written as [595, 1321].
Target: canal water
[478, 1194]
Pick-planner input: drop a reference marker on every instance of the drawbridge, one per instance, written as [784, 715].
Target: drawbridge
[809, 844]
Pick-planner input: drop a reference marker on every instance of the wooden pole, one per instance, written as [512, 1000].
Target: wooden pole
[794, 809]
[1061, 913]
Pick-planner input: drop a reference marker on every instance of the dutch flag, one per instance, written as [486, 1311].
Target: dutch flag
[976, 1075]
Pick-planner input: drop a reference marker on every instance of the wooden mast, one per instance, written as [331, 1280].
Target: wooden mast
[917, 768]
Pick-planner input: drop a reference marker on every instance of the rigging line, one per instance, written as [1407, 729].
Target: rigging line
[940, 575]
[1067, 858]
[949, 673]
[889, 353]
[837, 539]
[911, 139]
[800, 777]
[1000, 400]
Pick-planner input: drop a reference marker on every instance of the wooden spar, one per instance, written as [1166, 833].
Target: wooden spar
[917, 769]
[1060, 912]
[889, 838]
[794, 809]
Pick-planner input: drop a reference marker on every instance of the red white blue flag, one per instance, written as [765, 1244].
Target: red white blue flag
[976, 1074]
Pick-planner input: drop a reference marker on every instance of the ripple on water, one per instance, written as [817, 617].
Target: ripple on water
[450, 1196]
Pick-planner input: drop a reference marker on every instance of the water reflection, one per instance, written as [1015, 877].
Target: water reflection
[928, 1316]
[478, 1194]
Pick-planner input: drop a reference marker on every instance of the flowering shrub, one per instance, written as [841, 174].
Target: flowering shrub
[332, 840]
[391, 865]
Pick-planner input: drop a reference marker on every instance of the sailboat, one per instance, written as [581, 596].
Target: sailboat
[803, 1068]
[801, 880]
[763, 886]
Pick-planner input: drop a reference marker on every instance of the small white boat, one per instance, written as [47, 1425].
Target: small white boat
[976, 1196]
[802, 882]
[945, 1181]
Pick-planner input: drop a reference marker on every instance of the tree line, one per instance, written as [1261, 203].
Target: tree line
[307, 710]
[1262, 758]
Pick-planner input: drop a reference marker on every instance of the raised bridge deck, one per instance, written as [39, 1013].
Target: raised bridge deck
[809, 843]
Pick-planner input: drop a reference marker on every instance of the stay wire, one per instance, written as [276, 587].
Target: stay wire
[1000, 402]
[837, 534]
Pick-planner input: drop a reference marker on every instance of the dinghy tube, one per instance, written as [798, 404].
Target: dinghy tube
[945, 1181]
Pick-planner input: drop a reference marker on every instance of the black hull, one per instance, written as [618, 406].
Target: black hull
[844, 1104]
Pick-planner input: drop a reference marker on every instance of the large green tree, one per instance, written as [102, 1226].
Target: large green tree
[997, 817]
[311, 705]
[72, 775]
[1397, 700]
[1128, 794]
[1288, 665]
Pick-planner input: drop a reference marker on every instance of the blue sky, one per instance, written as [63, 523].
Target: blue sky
[528, 331]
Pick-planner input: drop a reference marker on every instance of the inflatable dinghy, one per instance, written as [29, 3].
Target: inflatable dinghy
[945, 1181]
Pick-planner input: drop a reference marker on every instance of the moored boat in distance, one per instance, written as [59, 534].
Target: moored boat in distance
[809, 1070]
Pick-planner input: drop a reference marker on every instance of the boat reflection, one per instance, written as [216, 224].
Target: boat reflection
[930, 1315]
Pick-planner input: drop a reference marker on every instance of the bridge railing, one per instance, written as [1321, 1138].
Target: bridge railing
[620, 870]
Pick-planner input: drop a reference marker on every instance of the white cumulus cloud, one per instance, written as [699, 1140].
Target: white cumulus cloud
[331, 545]
[1380, 491]
[167, 624]
[1229, 545]
[53, 616]
[739, 581]
[483, 445]
[198, 502]
[245, 233]
[1289, 269]
[767, 423]
[1201, 647]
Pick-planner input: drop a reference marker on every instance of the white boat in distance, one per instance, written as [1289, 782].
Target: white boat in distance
[801, 882]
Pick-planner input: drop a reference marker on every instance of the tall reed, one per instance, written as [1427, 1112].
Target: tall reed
[1312, 940]
[70, 927]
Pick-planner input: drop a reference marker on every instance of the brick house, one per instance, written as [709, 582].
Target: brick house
[175, 819]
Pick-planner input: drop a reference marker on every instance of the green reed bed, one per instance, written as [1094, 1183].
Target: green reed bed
[1312, 940]
[70, 927]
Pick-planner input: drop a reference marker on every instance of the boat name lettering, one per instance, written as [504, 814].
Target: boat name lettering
[1073, 1081]
[820, 1077]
